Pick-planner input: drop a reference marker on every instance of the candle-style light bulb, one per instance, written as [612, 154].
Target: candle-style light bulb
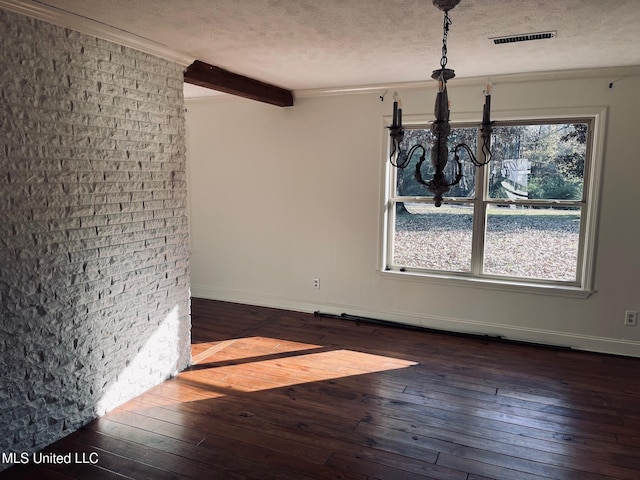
[397, 110]
[394, 122]
[486, 109]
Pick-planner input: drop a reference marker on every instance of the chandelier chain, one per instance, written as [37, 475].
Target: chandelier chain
[445, 35]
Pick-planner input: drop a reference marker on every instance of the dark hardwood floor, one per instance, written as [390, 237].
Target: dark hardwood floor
[281, 395]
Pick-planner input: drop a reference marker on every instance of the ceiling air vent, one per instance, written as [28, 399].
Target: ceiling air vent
[524, 37]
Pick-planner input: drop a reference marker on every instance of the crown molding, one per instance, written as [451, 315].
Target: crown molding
[611, 73]
[66, 19]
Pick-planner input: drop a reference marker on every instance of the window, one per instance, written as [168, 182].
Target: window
[527, 219]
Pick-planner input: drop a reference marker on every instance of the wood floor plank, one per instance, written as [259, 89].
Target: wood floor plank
[499, 419]
[147, 455]
[281, 395]
[231, 460]
[608, 424]
[475, 467]
[371, 469]
[601, 463]
[31, 472]
[226, 430]
[535, 445]
[482, 450]
[182, 431]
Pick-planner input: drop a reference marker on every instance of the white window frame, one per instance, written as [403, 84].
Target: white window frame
[583, 287]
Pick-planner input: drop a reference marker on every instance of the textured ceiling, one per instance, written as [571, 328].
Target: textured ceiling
[318, 44]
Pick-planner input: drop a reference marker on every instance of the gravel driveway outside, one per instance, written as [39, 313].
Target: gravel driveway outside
[529, 243]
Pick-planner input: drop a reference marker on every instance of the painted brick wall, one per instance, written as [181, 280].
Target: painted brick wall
[94, 289]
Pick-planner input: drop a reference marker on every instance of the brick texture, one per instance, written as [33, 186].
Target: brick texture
[94, 290]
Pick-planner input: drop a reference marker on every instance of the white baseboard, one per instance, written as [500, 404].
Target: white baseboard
[448, 324]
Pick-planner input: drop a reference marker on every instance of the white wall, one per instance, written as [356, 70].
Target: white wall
[280, 196]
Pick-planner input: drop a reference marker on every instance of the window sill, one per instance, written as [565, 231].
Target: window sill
[489, 284]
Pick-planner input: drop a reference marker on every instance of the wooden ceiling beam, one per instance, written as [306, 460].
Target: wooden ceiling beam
[216, 78]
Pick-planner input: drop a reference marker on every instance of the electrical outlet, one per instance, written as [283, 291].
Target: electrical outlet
[316, 283]
[631, 318]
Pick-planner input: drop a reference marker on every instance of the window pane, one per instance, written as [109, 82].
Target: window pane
[434, 238]
[536, 243]
[406, 184]
[538, 161]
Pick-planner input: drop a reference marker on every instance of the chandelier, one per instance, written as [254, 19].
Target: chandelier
[399, 157]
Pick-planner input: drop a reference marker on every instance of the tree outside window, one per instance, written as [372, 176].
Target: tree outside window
[521, 218]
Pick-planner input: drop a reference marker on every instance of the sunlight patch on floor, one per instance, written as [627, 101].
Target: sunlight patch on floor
[292, 365]
[240, 348]
[254, 364]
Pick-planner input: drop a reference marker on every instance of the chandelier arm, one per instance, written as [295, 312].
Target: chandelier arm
[396, 133]
[459, 175]
[485, 150]
[395, 153]
[394, 149]
[402, 159]
[468, 150]
[418, 173]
